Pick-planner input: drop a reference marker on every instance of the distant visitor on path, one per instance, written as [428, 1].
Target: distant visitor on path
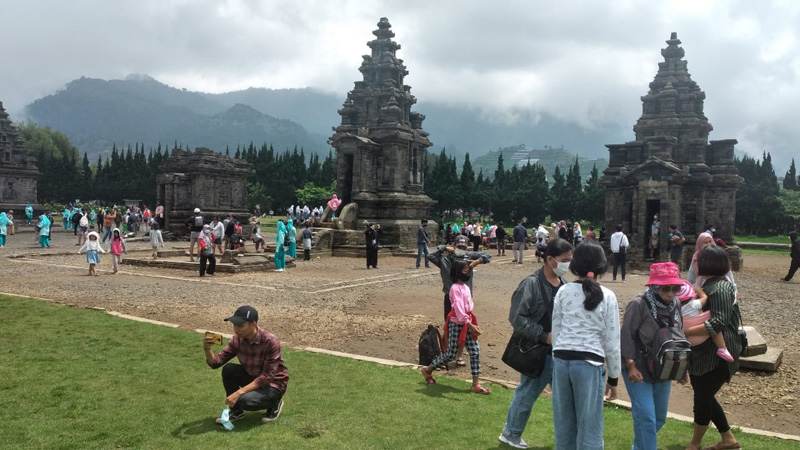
[260, 381]
[156, 239]
[333, 204]
[518, 248]
[676, 241]
[195, 224]
[619, 250]
[92, 248]
[795, 254]
[372, 236]
[206, 247]
[280, 250]
[5, 223]
[422, 243]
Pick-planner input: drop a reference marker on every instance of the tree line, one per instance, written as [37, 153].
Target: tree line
[763, 205]
[280, 178]
[522, 192]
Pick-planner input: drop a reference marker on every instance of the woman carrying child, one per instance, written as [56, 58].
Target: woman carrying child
[651, 310]
[92, 247]
[116, 247]
[461, 328]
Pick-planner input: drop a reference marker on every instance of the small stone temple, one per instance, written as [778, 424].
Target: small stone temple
[19, 176]
[205, 179]
[381, 146]
[671, 168]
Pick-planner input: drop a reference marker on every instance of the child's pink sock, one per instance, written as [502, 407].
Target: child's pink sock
[725, 354]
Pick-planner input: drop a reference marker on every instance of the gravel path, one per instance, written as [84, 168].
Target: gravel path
[336, 303]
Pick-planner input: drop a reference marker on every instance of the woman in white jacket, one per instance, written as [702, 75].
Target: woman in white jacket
[585, 339]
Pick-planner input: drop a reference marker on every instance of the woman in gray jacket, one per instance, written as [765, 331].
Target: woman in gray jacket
[531, 316]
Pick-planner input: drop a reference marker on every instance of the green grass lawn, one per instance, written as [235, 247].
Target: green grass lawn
[75, 379]
[781, 239]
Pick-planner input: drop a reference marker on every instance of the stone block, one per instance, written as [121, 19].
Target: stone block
[768, 362]
[250, 260]
[227, 256]
[756, 345]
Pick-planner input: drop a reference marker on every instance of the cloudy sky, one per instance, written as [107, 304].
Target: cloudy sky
[585, 62]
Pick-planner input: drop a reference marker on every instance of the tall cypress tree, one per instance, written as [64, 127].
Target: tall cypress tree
[790, 180]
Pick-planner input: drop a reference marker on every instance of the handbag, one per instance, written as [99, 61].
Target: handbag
[524, 356]
[208, 252]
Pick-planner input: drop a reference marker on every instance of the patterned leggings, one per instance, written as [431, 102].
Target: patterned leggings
[473, 349]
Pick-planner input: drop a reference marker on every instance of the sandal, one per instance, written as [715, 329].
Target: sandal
[460, 363]
[428, 377]
[480, 390]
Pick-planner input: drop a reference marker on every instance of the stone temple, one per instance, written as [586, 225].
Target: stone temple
[19, 175]
[205, 179]
[381, 146]
[671, 168]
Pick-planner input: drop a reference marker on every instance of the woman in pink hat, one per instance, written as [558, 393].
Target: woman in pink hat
[644, 316]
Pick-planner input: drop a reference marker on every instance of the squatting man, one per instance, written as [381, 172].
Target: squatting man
[260, 381]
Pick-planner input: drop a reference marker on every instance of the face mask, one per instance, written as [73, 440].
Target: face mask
[463, 277]
[561, 268]
[207, 231]
[713, 230]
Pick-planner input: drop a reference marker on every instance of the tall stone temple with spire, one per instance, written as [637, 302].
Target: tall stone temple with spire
[381, 146]
[19, 176]
[671, 168]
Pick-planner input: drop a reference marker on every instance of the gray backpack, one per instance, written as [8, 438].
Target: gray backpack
[668, 356]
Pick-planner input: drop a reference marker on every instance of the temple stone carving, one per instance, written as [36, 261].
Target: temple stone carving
[381, 146]
[19, 176]
[215, 183]
[671, 168]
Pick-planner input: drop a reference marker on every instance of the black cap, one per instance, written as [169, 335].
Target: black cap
[243, 314]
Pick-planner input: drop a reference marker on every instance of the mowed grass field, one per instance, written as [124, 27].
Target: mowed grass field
[77, 379]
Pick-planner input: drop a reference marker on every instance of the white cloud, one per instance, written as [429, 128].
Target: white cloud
[585, 62]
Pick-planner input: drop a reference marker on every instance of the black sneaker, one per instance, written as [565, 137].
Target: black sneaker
[233, 417]
[272, 414]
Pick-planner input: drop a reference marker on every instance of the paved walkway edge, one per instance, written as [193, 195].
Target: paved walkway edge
[389, 362]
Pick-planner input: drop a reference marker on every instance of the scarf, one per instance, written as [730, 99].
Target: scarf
[655, 303]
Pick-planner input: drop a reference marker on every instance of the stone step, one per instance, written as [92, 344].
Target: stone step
[768, 362]
[756, 345]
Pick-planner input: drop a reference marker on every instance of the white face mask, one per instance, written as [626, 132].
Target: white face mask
[561, 268]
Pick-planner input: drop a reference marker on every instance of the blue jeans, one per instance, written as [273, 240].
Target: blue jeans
[525, 395]
[578, 404]
[110, 233]
[422, 248]
[649, 403]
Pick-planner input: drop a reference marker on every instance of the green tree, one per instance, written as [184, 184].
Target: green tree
[467, 183]
[594, 208]
[311, 194]
[758, 210]
[257, 195]
[559, 208]
[790, 180]
[574, 196]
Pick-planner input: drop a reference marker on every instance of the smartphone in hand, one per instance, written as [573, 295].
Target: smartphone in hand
[216, 336]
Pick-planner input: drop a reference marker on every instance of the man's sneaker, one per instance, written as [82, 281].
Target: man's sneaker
[515, 442]
[232, 417]
[272, 414]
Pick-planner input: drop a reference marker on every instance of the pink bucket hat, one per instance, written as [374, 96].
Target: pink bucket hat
[664, 274]
[687, 292]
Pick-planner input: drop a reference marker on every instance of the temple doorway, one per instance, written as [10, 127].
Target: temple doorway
[347, 188]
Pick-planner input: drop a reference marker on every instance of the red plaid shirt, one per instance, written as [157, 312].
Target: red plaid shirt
[261, 359]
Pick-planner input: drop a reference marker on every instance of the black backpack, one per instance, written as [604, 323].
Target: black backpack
[668, 356]
[286, 239]
[430, 345]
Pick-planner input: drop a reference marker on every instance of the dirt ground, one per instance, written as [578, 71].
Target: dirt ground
[335, 303]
